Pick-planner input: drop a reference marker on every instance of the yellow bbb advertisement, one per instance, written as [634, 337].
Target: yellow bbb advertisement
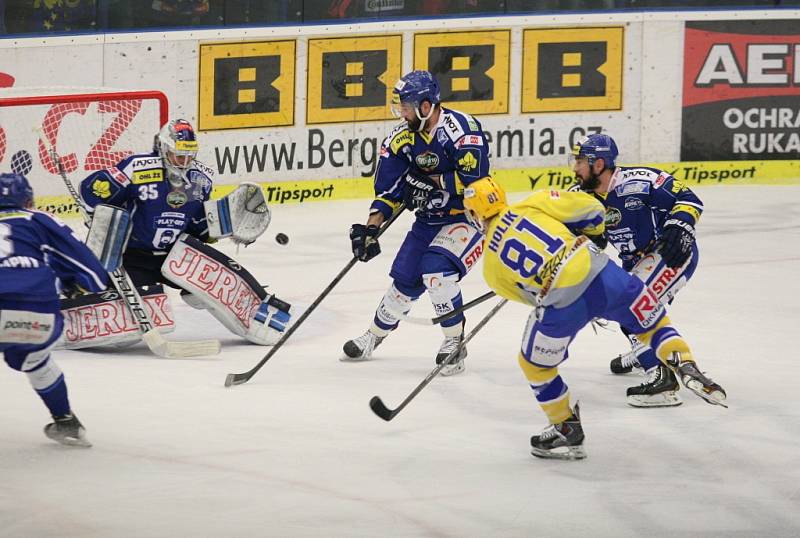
[351, 78]
[472, 68]
[572, 69]
[244, 85]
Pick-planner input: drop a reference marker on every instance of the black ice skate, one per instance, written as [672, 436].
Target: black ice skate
[694, 380]
[360, 349]
[660, 390]
[562, 441]
[625, 363]
[67, 430]
[450, 344]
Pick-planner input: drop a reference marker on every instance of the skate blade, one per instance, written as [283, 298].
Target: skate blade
[453, 369]
[715, 397]
[81, 442]
[665, 399]
[561, 453]
[348, 358]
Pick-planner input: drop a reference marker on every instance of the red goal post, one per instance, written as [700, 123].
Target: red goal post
[90, 130]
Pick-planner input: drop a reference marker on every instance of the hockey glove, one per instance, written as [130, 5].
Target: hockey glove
[418, 189]
[600, 240]
[365, 241]
[677, 239]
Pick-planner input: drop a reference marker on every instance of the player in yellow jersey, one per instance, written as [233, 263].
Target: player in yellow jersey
[540, 252]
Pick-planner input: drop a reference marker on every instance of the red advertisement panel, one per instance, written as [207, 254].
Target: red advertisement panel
[741, 90]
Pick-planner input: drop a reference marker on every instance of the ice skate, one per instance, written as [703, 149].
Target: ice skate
[449, 345]
[660, 390]
[625, 363]
[361, 348]
[67, 430]
[562, 441]
[694, 380]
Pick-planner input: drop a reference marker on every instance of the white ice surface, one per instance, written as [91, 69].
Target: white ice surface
[297, 451]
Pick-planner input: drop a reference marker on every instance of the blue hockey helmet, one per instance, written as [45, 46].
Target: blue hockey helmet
[414, 88]
[597, 146]
[15, 191]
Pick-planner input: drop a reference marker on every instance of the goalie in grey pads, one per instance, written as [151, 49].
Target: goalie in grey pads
[167, 194]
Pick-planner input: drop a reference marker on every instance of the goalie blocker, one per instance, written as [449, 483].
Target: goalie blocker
[214, 282]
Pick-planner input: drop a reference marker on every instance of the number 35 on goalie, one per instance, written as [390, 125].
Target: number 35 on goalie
[242, 215]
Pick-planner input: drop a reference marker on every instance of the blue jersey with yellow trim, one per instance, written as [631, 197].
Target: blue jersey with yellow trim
[526, 242]
[456, 149]
[160, 211]
[638, 202]
[38, 253]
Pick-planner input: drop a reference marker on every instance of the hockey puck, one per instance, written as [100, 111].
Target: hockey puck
[282, 239]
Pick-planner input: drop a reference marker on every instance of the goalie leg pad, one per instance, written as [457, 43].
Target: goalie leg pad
[103, 319]
[108, 235]
[228, 291]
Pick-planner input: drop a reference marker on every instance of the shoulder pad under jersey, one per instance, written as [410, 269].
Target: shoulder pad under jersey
[637, 180]
[453, 125]
[143, 168]
[398, 137]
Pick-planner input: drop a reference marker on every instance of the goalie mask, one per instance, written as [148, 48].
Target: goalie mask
[176, 143]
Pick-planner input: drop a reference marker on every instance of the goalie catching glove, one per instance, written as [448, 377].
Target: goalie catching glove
[676, 242]
[242, 215]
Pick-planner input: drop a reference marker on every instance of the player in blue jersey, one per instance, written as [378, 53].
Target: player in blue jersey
[650, 220]
[38, 257]
[425, 162]
[166, 192]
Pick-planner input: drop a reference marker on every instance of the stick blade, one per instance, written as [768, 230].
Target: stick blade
[179, 350]
[380, 409]
[236, 379]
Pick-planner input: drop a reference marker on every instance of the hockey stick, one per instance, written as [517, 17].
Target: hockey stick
[244, 377]
[444, 317]
[380, 409]
[122, 282]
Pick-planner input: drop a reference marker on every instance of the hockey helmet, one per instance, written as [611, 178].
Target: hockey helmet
[596, 146]
[483, 200]
[15, 191]
[177, 145]
[411, 91]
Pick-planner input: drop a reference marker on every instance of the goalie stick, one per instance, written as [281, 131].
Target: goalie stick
[244, 377]
[380, 409]
[122, 282]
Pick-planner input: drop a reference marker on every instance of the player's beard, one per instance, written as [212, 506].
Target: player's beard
[590, 184]
[414, 125]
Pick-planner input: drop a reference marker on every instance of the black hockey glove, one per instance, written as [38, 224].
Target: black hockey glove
[676, 242]
[600, 240]
[365, 241]
[417, 190]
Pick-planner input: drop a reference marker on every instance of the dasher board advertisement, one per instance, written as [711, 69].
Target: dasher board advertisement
[741, 90]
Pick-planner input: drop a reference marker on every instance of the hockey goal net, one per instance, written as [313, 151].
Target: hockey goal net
[89, 130]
